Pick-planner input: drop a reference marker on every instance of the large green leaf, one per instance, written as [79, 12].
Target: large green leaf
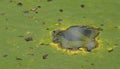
[22, 19]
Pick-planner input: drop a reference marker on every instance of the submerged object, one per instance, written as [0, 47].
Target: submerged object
[76, 37]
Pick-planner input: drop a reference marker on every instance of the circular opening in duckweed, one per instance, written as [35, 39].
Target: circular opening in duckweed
[76, 37]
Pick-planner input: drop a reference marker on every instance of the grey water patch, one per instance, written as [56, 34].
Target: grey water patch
[76, 37]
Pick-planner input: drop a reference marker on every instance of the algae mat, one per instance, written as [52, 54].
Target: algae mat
[25, 38]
